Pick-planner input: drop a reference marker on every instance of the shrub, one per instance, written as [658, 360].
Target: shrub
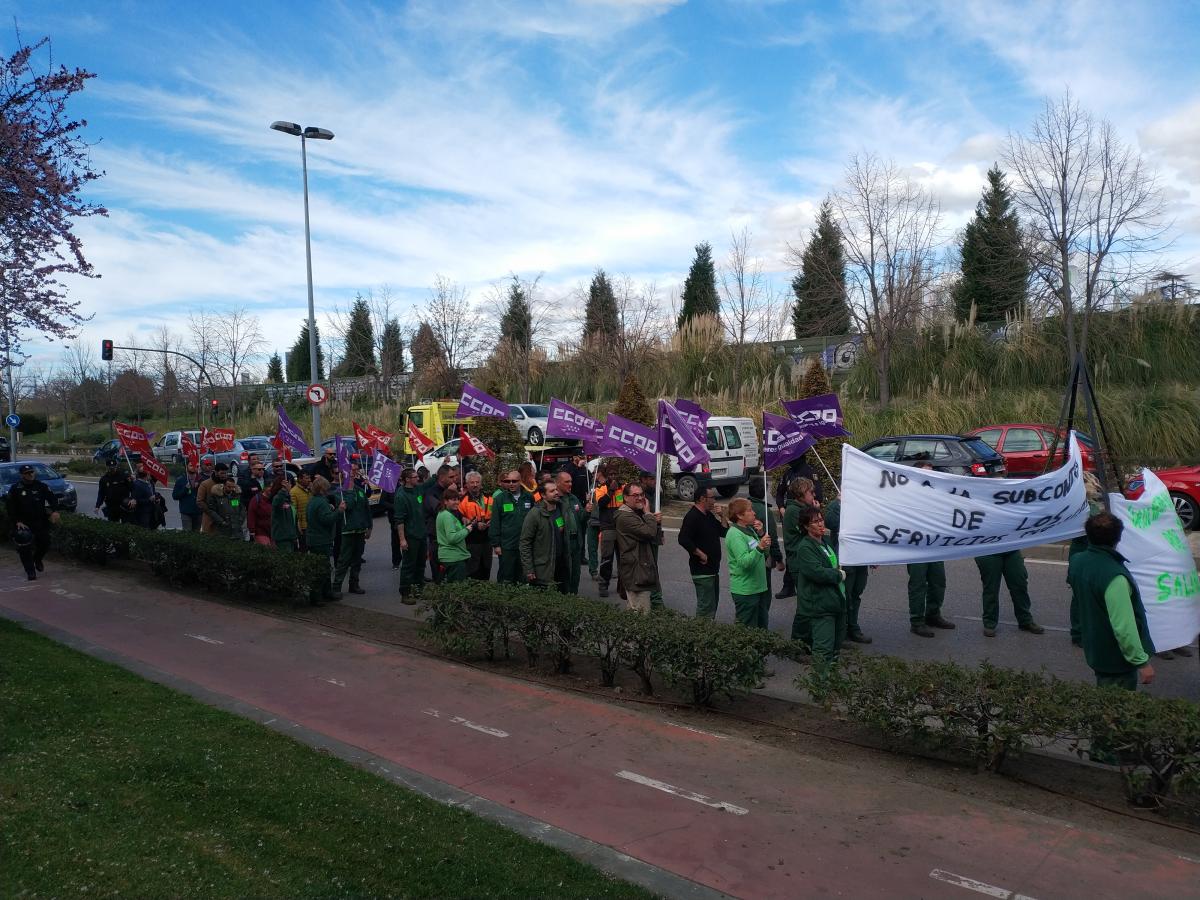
[33, 423]
[183, 558]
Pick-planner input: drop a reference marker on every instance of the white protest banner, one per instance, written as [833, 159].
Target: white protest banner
[895, 514]
[1160, 560]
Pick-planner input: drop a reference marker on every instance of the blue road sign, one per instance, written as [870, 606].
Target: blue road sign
[12, 420]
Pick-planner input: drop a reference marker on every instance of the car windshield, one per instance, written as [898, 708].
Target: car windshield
[537, 412]
[255, 444]
[980, 449]
[12, 474]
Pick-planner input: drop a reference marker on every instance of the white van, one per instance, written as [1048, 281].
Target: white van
[733, 458]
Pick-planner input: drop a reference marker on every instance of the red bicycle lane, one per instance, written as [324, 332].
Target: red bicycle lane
[734, 815]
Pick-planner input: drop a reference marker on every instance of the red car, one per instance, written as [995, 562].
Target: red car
[1184, 484]
[1026, 447]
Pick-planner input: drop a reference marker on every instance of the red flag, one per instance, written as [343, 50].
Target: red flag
[156, 469]
[217, 440]
[420, 444]
[285, 451]
[383, 439]
[469, 445]
[190, 451]
[371, 438]
[133, 437]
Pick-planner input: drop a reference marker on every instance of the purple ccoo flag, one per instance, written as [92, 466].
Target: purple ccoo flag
[696, 416]
[783, 441]
[385, 473]
[565, 421]
[291, 434]
[343, 458]
[679, 439]
[634, 441]
[474, 403]
[819, 416]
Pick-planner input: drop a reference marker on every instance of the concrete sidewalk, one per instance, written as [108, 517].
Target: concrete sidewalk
[721, 812]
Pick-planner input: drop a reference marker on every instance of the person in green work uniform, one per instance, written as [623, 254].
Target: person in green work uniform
[649, 482]
[1112, 619]
[356, 530]
[321, 516]
[821, 589]
[452, 535]
[284, 531]
[1095, 502]
[926, 593]
[545, 556]
[576, 517]
[856, 576]
[1011, 567]
[799, 498]
[773, 559]
[409, 516]
[747, 550]
[510, 505]
[226, 511]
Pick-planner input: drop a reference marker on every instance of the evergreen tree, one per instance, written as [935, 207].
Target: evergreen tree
[298, 368]
[431, 370]
[816, 383]
[633, 405]
[700, 297]
[602, 319]
[516, 325]
[820, 285]
[391, 350]
[359, 356]
[275, 369]
[995, 267]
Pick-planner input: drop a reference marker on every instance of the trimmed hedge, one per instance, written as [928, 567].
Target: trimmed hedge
[239, 569]
[990, 715]
[710, 658]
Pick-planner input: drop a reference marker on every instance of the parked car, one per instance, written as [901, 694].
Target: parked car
[954, 454]
[112, 450]
[239, 456]
[374, 495]
[1026, 447]
[530, 419]
[169, 447]
[63, 490]
[1184, 484]
[5, 450]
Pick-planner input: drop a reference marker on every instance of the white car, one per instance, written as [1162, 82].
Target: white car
[446, 454]
[530, 419]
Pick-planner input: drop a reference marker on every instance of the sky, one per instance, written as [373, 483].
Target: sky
[478, 139]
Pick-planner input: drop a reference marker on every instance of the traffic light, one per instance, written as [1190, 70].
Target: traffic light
[213, 402]
[106, 349]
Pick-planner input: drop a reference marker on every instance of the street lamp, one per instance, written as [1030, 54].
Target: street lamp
[306, 134]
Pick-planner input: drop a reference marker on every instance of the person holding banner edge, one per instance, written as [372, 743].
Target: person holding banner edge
[926, 593]
[1009, 566]
[856, 576]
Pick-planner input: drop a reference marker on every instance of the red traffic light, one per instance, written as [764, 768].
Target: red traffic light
[214, 403]
[106, 350]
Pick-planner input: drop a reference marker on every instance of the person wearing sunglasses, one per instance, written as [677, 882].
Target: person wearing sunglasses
[638, 535]
[510, 505]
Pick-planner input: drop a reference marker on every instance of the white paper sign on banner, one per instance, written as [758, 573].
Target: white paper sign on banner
[895, 514]
[1160, 560]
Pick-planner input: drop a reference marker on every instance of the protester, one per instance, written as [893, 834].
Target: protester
[301, 493]
[387, 500]
[410, 531]
[356, 530]
[747, 549]
[149, 508]
[701, 534]
[773, 524]
[797, 468]
[820, 589]
[529, 480]
[225, 509]
[32, 508]
[113, 490]
[477, 506]
[254, 480]
[648, 481]
[545, 554]
[326, 467]
[284, 531]
[432, 490]
[577, 469]
[1116, 638]
[926, 593]
[452, 533]
[510, 505]
[1095, 502]
[184, 493]
[220, 475]
[259, 515]
[1010, 566]
[607, 498]
[321, 518]
[576, 519]
[638, 533]
[280, 470]
[800, 499]
[856, 576]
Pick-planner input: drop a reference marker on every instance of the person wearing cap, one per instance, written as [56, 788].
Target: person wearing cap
[113, 490]
[32, 508]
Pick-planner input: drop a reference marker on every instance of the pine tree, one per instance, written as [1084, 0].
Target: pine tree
[502, 437]
[431, 370]
[816, 383]
[516, 335]
[391, 350]
[275, 369]
[633, 405]
[298, 368]
[700, 296]
[602, 319]
[995, 267]
[359, 356]
[820, 285]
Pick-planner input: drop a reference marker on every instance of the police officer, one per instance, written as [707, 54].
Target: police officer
[32, 507]
[113, 490]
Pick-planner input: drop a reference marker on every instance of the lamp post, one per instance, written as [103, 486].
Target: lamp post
[305, 134]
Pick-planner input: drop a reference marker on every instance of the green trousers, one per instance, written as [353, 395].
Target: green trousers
[801, 624]
[354, 543]
[856, 583]
[1126, 680]
[1010, 567]
[509, 570]
[573, 567]
[593, 548]
[827, 634]
[751, 609]
[321, 588]
[454, 571]
[708, 590]
[926, 591]
[412, 567]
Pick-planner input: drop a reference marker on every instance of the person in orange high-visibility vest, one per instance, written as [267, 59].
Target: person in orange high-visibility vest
[477, 507]
[530, 481]
[607, 498]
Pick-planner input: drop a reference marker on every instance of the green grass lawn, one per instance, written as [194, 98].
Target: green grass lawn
[112, 785]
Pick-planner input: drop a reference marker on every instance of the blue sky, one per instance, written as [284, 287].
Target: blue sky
[478, 138]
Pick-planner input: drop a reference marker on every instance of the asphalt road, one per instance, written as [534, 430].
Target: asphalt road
[884, 615]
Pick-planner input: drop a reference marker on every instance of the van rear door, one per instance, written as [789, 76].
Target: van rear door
[734, 459]
[749, 434]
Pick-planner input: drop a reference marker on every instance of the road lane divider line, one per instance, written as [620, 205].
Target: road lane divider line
[979, 887]
[207, 640]
[681, 792]
[459, 720]
[719, 737]
[334, 681]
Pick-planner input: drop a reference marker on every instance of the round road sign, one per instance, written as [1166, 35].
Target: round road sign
[12, 420]
[317, 394]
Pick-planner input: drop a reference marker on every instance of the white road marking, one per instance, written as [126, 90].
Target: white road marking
[719, 737]
[459, 720]
[979, 887]
[1048, 562]
[207, 640]
[326, 634]
[18, 589]
[680, 792]
[106, 590]
[334, 681]
[1011, 624]
[132, 616]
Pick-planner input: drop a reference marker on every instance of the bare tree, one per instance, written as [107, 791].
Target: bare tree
[1091, 205]
[238, 343]
[458, 324]
[204, 329]
[79, 366]
[745, 300]
[889, 227]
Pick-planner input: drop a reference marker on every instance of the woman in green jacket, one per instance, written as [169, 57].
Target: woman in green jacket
[821, 589]
[746, 553]
[452, 537]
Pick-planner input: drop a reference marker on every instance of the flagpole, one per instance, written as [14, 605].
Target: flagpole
[825, 467]
[766, 475]
[657, 482]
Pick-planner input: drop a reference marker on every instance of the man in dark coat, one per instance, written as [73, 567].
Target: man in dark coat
[31, 507]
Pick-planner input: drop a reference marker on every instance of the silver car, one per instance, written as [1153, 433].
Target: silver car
[530, 419]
